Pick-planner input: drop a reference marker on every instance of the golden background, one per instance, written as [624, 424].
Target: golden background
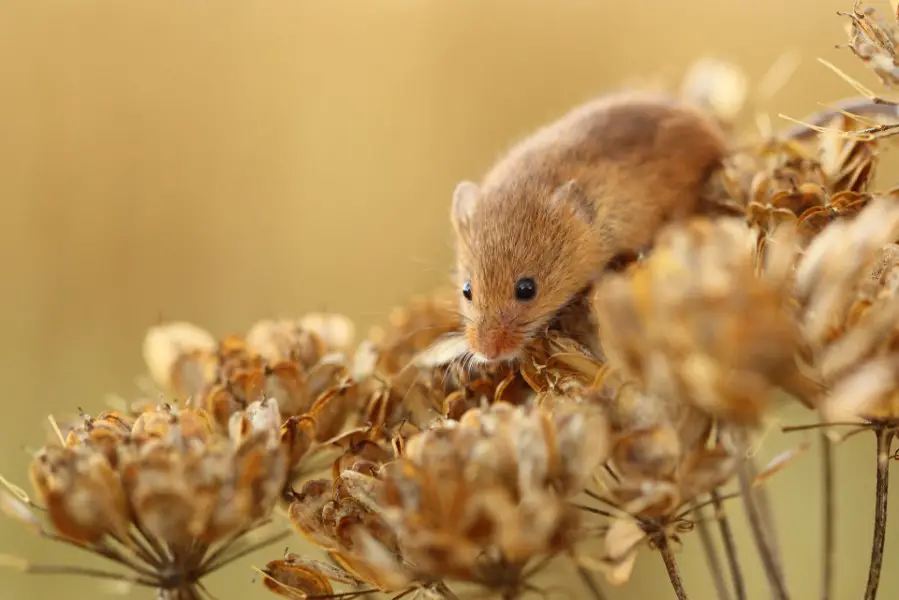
[223, 161]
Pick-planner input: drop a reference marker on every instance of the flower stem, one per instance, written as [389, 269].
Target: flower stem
[760, 536]
[589, 582]
[829, 545]
[884, 441]
[661, 542]
[730, 547]
[711, 555]
[763, 501]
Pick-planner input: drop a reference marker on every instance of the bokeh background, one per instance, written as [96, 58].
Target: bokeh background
[223, 161]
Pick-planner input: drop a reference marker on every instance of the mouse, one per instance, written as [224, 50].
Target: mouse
[564, 204]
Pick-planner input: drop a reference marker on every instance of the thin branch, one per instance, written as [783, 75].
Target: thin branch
[103, 550]
[587, 578]
[711, 555]
[73, 570]
[216, 563]
[730, 547]
[822, 425]
[760, 536]
[884, 441]
[829, 515]
[766, 512]
[661, 542]
[717, 499]
[590, 509]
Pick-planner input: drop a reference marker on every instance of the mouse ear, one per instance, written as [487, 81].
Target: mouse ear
[570, 194]
[465, 198]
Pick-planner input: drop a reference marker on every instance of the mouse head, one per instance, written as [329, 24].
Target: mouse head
[522, 254]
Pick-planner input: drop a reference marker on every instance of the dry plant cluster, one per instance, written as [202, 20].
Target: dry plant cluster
[421, 475]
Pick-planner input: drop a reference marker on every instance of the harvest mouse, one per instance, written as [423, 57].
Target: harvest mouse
[550, 215]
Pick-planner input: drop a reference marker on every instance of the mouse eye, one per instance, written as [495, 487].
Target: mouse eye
[466, 290]
[525, 289]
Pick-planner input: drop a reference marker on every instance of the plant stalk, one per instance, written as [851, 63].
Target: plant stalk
[884, 442]
[730, 547]
[829, 515]
[661, 542]
[760, 535]
[766, 512]
[595, 591]
[711, 555]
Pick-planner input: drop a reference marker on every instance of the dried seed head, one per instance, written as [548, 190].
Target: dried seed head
[694, 324]
[478, 500]
[873, 39]
[176, 502]
[847, 305]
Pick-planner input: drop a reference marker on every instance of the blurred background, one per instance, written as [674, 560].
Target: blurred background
[221, 162]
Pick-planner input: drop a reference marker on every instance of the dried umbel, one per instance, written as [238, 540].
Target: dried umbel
[696, 325]
[475, 501]
[165, 494]
[302, 365]
[846, 291]
[481, 500]
[807, 181]
[654, 481]
[296, 362]
[873, 38]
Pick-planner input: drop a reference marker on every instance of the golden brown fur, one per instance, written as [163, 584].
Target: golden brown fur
[563, 202]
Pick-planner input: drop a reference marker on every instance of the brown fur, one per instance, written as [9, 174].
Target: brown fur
[632, 161]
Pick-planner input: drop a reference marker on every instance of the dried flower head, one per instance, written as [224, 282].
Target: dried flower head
[480, 501]
[302, 365]
[848, 307]
[809, 182]
[170, 498]
[653, 483]
[873, 38]
[695, 324]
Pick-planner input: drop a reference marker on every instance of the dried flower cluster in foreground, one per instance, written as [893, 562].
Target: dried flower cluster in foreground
[413, 471]
[163, 494]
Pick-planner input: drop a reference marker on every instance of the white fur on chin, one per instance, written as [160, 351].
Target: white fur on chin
[480, 359]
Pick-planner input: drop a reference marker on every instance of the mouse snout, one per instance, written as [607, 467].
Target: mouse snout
[497, 341]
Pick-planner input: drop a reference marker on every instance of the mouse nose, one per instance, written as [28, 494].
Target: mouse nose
[499, 343]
